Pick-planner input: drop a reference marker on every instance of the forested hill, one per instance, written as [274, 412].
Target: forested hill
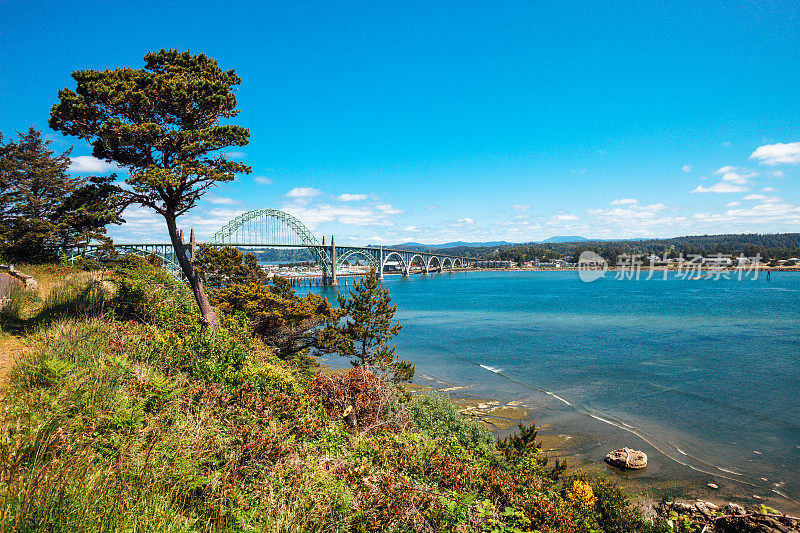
[769, 246]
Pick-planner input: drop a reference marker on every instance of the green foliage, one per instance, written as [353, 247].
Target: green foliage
[766, 510]
[219, 267]
[44, 210]
[522, 449]
[276, 314]
[367, 329]
[438, 417]
[616, 515]
[161, 123]
[769, 245]
[681, 523]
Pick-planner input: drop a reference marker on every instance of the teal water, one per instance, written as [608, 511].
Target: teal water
[704, 371]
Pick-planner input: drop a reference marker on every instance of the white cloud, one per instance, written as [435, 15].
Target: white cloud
[735, 175]
[633, 212]
[350, 215]
[768, 189]
[723, 170]
[352, 197]
[388, 209]
[262, 180]
[775, 154]
[564, 218]
[411, 229]
[721, 187]
[777, 173]
[624, 201]
[755, 197]
[686, 168]
[303, 192]
[769, 212]
[520, 207]
[633, 220]
[90, 165]
[465, 221]
[220, 200]
[733, 204]
[236, 155]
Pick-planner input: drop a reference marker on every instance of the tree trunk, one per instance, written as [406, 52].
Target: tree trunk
[206, 310]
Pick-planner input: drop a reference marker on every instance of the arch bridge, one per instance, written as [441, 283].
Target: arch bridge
[272, 228]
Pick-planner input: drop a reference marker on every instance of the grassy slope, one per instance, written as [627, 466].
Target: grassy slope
[123, 417]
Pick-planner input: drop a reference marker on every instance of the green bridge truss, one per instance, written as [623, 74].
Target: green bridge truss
[272, 228]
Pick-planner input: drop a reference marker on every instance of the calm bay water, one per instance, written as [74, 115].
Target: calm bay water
[703, 372]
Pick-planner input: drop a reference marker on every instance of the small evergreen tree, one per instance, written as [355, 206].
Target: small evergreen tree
[367, 329]
[43, 209]
[523, 450]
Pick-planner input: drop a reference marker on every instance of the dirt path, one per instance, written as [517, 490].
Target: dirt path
[11, 347]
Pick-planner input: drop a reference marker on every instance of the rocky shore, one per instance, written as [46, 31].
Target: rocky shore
[711, 518]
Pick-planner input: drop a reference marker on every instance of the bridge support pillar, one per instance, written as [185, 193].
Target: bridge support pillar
[333, 280]
[380, 264]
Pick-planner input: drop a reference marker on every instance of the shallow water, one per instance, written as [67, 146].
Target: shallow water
[705, 371]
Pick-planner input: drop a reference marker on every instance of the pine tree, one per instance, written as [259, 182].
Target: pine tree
[43, 209]
[94, 205]
[367, 328]
[161, 123]
[523, 450]
[37, 182]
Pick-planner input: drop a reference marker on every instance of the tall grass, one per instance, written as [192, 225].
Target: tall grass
[12, 306]
[78, 455]
[74, 296]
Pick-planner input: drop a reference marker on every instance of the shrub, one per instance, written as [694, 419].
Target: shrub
[616, 515]
[438, 417]
[362, 399]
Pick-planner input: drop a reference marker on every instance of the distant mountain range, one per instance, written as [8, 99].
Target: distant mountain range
[558, 239]
[565, 239]
[453, 244]
[456, 244]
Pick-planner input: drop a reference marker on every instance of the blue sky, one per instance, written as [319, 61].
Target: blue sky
[439, 121]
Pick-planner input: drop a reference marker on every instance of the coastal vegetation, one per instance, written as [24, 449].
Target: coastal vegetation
[123, 415]
[161, 123]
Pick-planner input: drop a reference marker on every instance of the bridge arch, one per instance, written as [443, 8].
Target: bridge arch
[431, 259]
[457, 263]
[445, 261]
[421, 260]
[274, 226]
[403, 265]
[349, 253]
